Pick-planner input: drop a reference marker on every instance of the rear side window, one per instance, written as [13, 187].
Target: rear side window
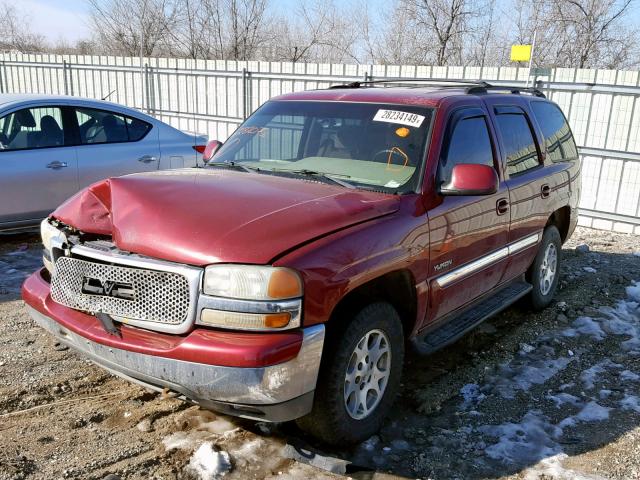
[520, 147]
[32, 128]
[469, 143]
[557, 134]
[102, 126]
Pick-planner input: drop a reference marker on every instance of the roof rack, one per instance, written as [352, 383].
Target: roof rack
[436, 82]
[473, 87]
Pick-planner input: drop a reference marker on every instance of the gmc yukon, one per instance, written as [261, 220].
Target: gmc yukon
[333, 229]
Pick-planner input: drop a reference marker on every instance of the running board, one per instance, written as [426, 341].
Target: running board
[453, 329]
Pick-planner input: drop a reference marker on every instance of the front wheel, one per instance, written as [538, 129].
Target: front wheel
[545, 271]
[359, 377]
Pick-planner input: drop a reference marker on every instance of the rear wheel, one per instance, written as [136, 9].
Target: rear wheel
[545, 271]
[359, 377]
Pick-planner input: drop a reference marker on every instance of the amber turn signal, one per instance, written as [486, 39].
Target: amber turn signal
[284, 284]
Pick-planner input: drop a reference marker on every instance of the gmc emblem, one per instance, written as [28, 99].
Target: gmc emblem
[108, 288]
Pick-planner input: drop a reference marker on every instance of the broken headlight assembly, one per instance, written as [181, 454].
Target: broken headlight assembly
[250, 297]
[53, 241]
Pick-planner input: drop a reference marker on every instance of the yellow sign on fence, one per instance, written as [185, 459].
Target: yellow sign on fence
[520, 53]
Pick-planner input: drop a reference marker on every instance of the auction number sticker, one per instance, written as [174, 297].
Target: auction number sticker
[395, 116]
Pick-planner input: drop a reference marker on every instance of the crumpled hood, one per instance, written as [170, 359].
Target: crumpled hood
[204, 216]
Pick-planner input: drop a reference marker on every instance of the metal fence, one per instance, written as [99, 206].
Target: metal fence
[214, 96]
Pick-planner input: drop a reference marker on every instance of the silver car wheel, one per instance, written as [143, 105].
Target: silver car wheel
[548, 269]
[367, 374]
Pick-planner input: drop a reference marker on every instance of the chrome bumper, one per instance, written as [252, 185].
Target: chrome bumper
[274, 393]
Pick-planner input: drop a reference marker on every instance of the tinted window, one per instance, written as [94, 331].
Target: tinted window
[101, 126]
[469, 143]
[557, 134]
[518, 142]
[32, 128]
[136, 129]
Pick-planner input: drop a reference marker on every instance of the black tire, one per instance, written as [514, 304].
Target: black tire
[329, 421]
[540, 298]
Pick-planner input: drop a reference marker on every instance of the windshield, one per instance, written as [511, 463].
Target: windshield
[363, 145]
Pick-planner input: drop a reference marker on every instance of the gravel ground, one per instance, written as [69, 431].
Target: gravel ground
[549, 395]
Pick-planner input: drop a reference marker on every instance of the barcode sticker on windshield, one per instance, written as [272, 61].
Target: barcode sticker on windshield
[403, 118]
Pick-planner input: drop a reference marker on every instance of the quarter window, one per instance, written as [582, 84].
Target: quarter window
[557, 134]
[32, 128]
[101, 126]
[520, 147]
[469, 143]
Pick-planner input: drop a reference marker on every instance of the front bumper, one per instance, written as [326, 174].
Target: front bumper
[278, 392]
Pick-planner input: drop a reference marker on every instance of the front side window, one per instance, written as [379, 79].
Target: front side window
[557, 134]
[520, 147]
[469, 142]
[370, 146]
[102, 126]
[32, 128]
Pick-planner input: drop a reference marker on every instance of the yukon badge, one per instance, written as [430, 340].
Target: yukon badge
[443, 265]
[107, 288]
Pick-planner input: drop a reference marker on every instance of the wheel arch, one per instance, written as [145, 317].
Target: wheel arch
[561, 219]
[397, 288]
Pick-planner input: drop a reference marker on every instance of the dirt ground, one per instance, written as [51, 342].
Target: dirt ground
[550, 395]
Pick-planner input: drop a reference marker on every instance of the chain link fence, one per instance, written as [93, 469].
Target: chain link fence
[214, 96]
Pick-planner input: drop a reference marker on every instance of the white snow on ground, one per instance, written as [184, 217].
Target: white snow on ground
[208, 463]
[535, 442]
[552, 468]
[527, 370]
[585, 326]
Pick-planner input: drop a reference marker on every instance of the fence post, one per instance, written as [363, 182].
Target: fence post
[64, 77]
[246, 93]
[146, 87]
[2, 77]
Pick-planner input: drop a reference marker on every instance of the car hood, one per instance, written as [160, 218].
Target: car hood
[205, 216]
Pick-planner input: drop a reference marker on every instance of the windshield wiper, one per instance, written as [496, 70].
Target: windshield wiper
[234, 165]
[313, 173]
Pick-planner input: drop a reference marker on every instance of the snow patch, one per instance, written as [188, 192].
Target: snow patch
[208, 463]
[591, 375]
[585, 326]
[630, 402]
[551, 468]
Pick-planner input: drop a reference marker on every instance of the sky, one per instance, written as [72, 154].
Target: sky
[69, 19]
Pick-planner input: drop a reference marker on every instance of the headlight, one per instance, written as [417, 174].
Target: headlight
[52, 238]
[48, 232]
[252, 282]
[250, 297]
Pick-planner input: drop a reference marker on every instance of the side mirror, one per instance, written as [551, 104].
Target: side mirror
[471, 179]
[210, 150]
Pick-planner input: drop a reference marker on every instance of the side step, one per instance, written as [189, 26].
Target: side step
[454, 328]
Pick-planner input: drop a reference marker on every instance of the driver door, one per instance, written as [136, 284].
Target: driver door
[468, 233]
[38, 164]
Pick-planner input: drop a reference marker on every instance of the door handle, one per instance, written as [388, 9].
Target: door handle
[545, 191]
[147, 159]
[502, 206]
[57, 165]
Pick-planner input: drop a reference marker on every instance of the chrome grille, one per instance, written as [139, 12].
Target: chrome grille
[161, 297]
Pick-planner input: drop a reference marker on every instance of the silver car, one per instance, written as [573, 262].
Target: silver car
[52, 146]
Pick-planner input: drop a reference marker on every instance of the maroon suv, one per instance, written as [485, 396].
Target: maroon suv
[333, 228]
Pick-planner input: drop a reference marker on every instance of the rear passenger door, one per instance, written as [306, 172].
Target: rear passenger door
[111, 144]
[528, 183]
[467, 233]
[38, 165]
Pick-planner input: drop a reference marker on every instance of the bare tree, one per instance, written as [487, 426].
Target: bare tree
[134, 27]
[446, 22]
[15, 33]
[596, 32]
[319, 31]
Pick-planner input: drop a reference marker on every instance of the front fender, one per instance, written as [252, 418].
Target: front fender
[337, 264]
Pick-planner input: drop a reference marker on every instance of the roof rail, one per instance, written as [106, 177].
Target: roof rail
[473, 87]
[436, 82]
[509, 88]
